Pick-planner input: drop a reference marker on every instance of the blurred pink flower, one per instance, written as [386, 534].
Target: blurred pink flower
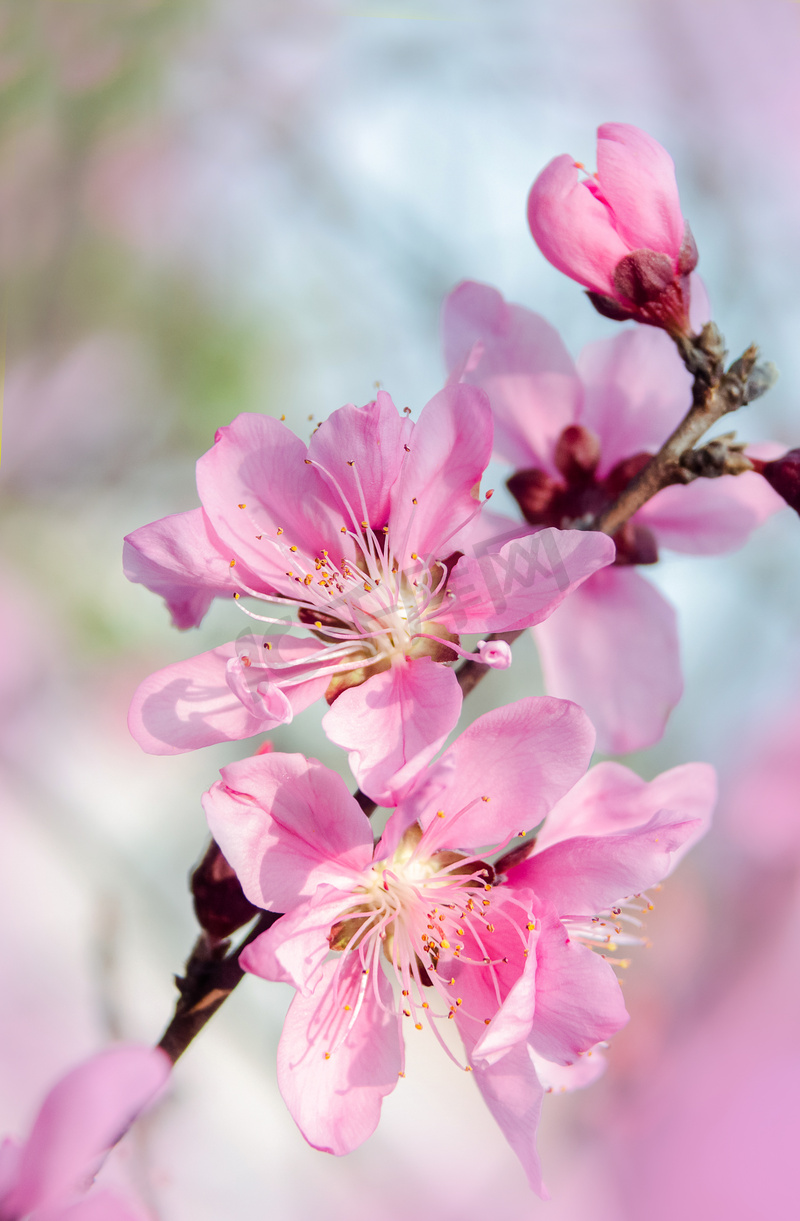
[503, 950]
[577, 435]
[80, 1120]
[620, 231]
[364, 531]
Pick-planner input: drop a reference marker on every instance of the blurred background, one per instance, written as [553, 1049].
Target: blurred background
[210, 206]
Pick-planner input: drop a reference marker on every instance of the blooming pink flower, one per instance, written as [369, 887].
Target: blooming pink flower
[365, 532]
[576, 437]
[503, 950]
[620, 231]
[80, 1120]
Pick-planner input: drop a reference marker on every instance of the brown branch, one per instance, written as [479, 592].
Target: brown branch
[715, 393]
[212, 972]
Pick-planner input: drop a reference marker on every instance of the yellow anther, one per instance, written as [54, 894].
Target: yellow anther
[283, 417]
[486, 902]
[425, 1005]
[440, 813]
[407, 1012]
[405, 991]
[414, 555]
[401, 1074]
[490, 928]
[531, 925]
[413, 500]
[236, 596]
[458, 1000]
[460, 932]
[418, 1025]
[233, 563]
[486, 799]
[343, 530]
[347, 1006]
[467, 1068]
[293, 547]
[445, 944]
[365, 524]
[452, 980]
[280, 530]
[267, 644]
[317, 622]
[367, 588]
[307, 579]
[487, 1021]
[327, 1055]
[351, 464]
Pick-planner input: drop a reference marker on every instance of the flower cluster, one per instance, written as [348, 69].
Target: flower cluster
[496, 907]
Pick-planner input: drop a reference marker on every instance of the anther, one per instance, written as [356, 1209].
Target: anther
[413, 500]
[486, 799]
[233, 563]
[440, 813]
[487, 1021]
[418, 1025]
[293, 547]
[236, 597]
[279, 530]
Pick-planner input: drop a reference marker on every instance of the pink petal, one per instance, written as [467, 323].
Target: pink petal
[613, 648]
[286, 824]
[611, 800]
[572, 228]
[560, 1078]
[259, 463]
[521, 363]
[450, 448]
[182, 559]
[589, 874]
[523, 756]
[192, 704]
[362, 448]
[336, 1102]
[522, 581]
[578, 998]
[637, 390]
[511, 1024]
[294, 949]
[80, 1119]
[637, 177]
[710, 516]
[97, 1206]
[513, 1094]
[394, 723]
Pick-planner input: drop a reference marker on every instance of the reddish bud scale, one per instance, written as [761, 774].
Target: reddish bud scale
[783, 474]
[219, 901]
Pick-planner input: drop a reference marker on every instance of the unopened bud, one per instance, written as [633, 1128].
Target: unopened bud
[577, 454]
[220, 904]
[783, 474]
[534, 491]
[643, 275]
[762, 379]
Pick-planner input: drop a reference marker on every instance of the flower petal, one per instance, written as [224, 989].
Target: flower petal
[636, 391]
[286, 824]
[513, 1094]
[259, 464]
[524, 757]
[560, 1078]
[293, 950]
[578, 998]
[521, 363]
[520, 582]
[611, 799]
[450, 448]
[362, 448]
[336, 1102]
[612, 646]
[710, 516]
[573, 228]
[182, 559]
[394, 723]
[637, 177]
[80, 1119]
[192, 704]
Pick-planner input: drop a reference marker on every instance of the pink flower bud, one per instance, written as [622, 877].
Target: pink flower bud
[619, 232]
[219, 901]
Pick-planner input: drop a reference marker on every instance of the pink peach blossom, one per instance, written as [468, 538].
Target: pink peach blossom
[80, 1120]
[576, 436]
[620, 231]
[373, 531]
[504, 950]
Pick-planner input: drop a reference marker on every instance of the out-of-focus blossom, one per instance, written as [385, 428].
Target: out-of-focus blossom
[577, 436]
[80, 1120]
[364, 531]
[619, 231]
[81, 417]
[783, 474]
[504, 950]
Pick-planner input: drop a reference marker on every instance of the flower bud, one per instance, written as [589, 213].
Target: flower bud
[783, 474]
[619, 232]
[219, 901]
